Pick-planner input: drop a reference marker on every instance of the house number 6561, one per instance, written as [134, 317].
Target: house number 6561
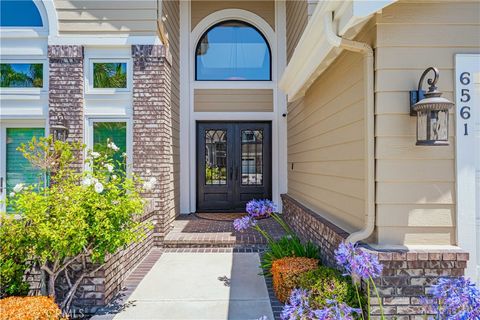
[465, 98]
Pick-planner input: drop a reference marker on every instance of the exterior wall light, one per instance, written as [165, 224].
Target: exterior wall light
[60, 130]
[431, 111]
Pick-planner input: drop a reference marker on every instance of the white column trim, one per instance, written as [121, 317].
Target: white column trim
[466, 162]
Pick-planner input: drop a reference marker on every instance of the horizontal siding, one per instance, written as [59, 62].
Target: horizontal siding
[107, 17]
[326, 144]
[233, 100]
[264, 8]
[296, 21]
[171, 9]
[416, 185]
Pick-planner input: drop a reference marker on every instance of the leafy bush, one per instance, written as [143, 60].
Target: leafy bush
[286, 274]
[287, 246]
[326, 284]
[73, 219]
[29, 308]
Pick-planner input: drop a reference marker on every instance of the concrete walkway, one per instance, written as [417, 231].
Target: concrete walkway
[185, 285]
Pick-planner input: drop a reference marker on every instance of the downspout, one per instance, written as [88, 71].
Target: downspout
[369, 122]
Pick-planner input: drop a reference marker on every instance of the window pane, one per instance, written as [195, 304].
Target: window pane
[252, 157]
[233, 50]
[115, 132]
[110, 75]
[19, 169]
[215, 157]
[16, 13]
[21, 75]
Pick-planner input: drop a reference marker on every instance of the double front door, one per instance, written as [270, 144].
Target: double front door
[234, 164]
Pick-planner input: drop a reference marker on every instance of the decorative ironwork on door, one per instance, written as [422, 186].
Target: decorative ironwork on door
[215, 157]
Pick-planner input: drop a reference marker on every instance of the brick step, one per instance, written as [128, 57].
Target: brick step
[197, 243]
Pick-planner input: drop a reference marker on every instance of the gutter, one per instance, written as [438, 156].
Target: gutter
[369, 121]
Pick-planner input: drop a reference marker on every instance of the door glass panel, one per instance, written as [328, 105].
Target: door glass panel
[215, 157]
[19, 169]
[115, 132]
[252, 157]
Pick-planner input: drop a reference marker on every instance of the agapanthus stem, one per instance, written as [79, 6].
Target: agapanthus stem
[368, 299]
[359, 300]
[378, 297]
[263, 233]
[282, 223]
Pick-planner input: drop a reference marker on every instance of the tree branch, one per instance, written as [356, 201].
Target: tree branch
[65, 305]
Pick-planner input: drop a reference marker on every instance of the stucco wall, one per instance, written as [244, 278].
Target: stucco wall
[326, 142]
[415, 184]
[107, 17]
[263, 8]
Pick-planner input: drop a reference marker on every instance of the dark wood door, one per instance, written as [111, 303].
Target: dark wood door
[234, 164]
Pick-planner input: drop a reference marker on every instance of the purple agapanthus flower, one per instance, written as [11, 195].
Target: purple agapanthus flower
[336, 311]
[298, 308]
[244, 223]
[454, 299]
[358, 262]
[260, 208]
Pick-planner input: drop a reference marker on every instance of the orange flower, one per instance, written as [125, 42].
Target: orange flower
[286, 272]
[29, 308]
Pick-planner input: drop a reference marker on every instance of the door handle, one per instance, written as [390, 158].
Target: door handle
[236, 172]
[231, 173]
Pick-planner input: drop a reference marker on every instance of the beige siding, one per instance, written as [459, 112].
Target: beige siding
[265, 9]
[171, 9]
[107, 17]
[416, 185]
[326, 142]
[297, 18]
[233, 100]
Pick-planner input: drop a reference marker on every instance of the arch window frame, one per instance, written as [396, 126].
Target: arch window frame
[246, 23]
[30, 31]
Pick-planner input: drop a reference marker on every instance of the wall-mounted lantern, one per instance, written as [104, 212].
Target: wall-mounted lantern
[60, 130]
[431, 111]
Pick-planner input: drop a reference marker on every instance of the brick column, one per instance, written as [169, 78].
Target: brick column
[65, 94]
[153, 132]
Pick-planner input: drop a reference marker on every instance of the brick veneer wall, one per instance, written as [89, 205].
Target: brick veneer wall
[152, 148]
[407, 274]
[153, 154]
[65, 93]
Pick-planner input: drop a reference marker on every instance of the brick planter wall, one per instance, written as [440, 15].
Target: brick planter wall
[65, 93]
[153, 154]
[407, 274]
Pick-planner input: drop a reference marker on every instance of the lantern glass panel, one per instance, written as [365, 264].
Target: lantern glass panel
[422, 125]
[439, 125]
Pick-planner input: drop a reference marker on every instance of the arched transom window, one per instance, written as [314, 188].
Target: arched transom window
[19, 13]
[232, 50]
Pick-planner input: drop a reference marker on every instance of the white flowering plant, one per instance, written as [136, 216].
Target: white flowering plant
[75, 217]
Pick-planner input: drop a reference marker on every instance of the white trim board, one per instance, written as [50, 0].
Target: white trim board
[188, 41]
[467, 81]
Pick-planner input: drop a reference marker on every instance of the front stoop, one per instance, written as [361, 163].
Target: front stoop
[190, 231]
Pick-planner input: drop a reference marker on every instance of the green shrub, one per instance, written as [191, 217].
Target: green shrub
[14, 260]
[328, 284]
[287, 246]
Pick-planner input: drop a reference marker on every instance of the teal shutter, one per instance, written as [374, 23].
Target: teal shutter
[19, 169]
[112, 131]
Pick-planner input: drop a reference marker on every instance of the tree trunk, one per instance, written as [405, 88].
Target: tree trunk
[51, 285]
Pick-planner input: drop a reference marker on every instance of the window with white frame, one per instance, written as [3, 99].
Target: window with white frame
[21, 74]
[109, 76]
[111, 136]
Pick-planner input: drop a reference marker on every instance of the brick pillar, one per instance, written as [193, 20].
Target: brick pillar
[153, 132]
[65, 94]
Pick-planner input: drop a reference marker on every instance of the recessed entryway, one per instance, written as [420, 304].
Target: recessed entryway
[234, 164]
